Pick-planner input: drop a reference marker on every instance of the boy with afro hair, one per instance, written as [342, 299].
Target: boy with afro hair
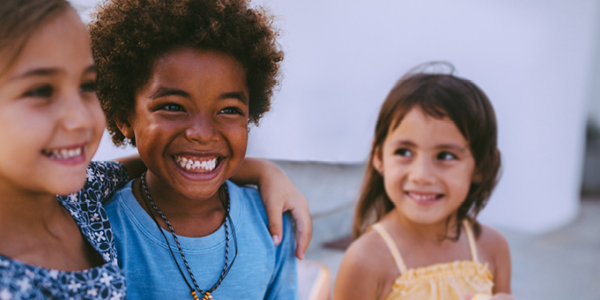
[182, 80]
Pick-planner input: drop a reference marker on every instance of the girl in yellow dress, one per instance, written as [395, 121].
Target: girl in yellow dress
[433, 165]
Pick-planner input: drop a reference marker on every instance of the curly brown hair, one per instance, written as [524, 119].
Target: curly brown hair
[439, 96]
[129, 35]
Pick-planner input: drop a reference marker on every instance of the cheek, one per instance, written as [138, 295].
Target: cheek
[238, 137]
[99, 119]
[460, 181]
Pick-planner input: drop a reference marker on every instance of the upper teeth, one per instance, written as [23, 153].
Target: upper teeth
[423, 197]
[190, 164]
[65, 153]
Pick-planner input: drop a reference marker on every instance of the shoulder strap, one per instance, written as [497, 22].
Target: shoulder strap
[472, 247]
[392, 247]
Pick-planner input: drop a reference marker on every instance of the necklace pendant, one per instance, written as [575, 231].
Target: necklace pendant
[208, 297]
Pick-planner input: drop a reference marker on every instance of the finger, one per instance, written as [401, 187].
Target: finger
[275, 216]
[303, 230]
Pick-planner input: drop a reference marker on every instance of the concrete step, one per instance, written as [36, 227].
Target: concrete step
[331, 190]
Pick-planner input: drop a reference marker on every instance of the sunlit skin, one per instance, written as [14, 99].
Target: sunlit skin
[428, 168]
[194, 107]
[51, 124]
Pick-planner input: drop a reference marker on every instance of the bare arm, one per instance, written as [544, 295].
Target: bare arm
[278, 195]
[502, 262]
[494, 243]
[357, 277]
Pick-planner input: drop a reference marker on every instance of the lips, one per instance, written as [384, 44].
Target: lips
[197, 164]
[424, 198]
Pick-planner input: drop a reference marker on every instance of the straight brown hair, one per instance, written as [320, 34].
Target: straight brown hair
[18, 20]
[439, 96]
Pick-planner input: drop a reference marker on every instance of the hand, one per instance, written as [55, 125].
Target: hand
[502, 296]
[499, 296]
[279, 195]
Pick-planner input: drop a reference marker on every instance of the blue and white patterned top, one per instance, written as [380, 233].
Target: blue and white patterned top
[19, 280]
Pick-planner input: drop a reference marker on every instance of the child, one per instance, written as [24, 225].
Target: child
[181, 80]
[432, 167]
[51, 124]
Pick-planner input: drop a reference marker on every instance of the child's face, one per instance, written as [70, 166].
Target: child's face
[427, 167]
[191, 120]
[50, 119]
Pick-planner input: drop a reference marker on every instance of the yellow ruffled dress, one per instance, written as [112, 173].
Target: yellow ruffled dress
[448, 281]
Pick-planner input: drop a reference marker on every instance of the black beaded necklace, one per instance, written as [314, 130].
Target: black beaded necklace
[223, 194]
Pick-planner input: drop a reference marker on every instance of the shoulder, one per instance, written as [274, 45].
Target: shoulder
[101, 169]
[364, 268]
[493, 248]
[492, 242]
[247, 198]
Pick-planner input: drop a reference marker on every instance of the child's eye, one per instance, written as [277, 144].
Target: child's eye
[172, 107]
[44, 91]
[446, 156]
[404, 152]
[88, 87]
[231, 111]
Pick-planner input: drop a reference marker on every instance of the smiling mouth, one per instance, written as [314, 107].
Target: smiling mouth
[63, 153]
[424, 197]
[197, 164]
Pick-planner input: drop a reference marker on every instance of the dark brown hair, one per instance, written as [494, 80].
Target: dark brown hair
[18, 20]
[129, 35]
[438, 95]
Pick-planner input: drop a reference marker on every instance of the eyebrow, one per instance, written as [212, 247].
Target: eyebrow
[40, 72]
[454, 147]
[235, 95]
[165, 91]
[450, 146]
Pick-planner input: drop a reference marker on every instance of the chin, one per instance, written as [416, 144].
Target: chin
[68, 186]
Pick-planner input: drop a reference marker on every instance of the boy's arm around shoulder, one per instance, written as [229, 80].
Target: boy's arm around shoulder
[359, 275]
[495, 245]
[284, 282]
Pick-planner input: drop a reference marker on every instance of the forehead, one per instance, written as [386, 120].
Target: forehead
[182, 65]
[62, 42]
[426, 131]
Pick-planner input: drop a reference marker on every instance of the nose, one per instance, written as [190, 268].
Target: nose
[202, 129]
[422, 171]
[77, 112]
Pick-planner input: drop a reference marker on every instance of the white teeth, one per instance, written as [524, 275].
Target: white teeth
[423, 197]
[196, 165]
[65, 153]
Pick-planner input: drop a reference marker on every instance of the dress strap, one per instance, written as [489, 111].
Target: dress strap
[392, 247]
[472, 247]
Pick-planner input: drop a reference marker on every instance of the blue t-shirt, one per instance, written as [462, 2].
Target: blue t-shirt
[261, 270]
[19, 280]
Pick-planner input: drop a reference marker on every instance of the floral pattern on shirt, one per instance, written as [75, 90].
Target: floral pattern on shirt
[23, 281]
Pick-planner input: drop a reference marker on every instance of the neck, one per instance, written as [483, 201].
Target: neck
[27, 213]
[435, 232]
[190, 217]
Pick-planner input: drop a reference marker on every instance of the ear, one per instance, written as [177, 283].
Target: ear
[126, 128]
[377, 161]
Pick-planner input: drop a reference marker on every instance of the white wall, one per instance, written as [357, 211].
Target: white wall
[531, 57]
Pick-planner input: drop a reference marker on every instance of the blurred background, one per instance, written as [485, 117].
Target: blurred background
[537, 60]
